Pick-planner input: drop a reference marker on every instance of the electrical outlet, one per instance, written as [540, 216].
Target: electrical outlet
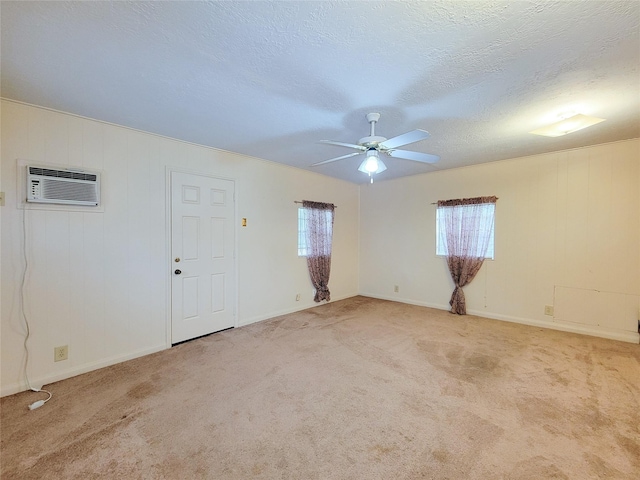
[548, 310]
[396, 288]
[60, 353]
[297, 297]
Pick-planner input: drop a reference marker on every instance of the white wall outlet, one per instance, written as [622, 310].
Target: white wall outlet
[396, 288]
[60, 353]
[548, 310]
[297, 297]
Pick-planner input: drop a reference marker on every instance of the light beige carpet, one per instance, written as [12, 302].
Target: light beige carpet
[356, 389]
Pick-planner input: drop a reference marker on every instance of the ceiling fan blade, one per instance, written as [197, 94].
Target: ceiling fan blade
[405, 139]
[340, 144]
[415, 156]
[337, 158]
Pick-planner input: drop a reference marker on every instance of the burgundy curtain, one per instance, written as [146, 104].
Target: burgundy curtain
[467, 234]
[319, 231]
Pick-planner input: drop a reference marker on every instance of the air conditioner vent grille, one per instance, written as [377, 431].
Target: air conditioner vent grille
[47, 172]
[81, 192]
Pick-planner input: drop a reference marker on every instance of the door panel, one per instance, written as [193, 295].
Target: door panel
[217, 237]
[202, 243]
[217, 292]
[190, 237]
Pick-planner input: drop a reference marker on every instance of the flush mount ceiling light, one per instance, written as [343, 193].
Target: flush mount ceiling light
[567, 125]
[372, 164]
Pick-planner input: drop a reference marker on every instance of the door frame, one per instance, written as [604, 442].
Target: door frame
[168, 263]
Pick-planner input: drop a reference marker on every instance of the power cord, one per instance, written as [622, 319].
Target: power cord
[39, 403]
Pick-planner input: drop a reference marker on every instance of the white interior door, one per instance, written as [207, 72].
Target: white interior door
[203, 295]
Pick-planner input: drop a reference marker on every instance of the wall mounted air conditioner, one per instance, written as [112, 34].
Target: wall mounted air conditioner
[64, 186]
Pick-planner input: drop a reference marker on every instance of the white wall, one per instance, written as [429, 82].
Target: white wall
[98, 282]
[567, 234]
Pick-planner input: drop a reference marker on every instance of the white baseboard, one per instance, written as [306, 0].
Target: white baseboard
[408, 301]
[624, 336]
[286, 311]
[72, 372]
[594, 331]
[591, 330]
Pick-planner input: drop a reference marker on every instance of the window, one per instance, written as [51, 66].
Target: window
[484, 214]
[303, 249]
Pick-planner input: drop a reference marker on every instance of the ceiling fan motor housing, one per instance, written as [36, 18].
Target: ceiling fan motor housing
[371, 141]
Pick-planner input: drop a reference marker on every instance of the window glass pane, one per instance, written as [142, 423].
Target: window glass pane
[302, 228]
[303, 248]
[485, 215]
[441, 239]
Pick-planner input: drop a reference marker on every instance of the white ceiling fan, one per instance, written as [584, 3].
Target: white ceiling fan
[373, 145]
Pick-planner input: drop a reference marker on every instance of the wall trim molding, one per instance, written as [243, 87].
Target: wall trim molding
[74, 371]
[286, 311]
[590, 330]
[608, 333]
[158, 135]
[630, 337]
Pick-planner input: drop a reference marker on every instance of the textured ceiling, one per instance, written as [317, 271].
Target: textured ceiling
[271, 79]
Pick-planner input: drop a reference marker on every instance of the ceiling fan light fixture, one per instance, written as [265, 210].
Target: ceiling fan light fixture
[372, 163]
[567, 125]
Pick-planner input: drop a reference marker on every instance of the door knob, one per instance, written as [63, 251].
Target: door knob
[178, 272]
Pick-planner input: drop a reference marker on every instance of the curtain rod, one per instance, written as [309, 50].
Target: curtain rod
[296, 201]
[435, 203]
